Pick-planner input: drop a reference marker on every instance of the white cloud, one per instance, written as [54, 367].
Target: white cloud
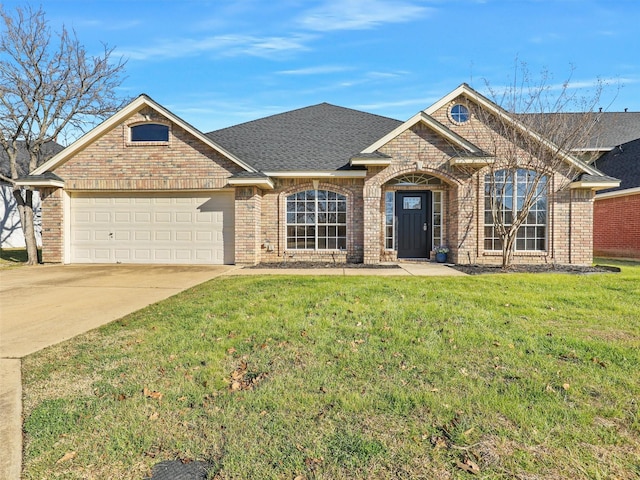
[360, 14]
[223, 45]
[319, 70]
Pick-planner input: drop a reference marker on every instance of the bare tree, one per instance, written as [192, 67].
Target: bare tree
[50, 88]
[530, 137]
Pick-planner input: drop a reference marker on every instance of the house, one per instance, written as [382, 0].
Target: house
[11, 235]
[616, 216]
[321, 183]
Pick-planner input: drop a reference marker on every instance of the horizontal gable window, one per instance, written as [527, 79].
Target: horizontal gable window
[150, 132]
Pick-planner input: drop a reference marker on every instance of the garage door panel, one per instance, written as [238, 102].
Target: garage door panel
[152, 228]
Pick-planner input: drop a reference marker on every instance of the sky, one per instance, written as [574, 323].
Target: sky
[222, 62]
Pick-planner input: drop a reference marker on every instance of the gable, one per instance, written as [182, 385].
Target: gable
[114, 161]
[467, 96]
[142, 104]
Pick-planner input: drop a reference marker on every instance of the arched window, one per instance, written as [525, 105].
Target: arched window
[150, 132]
[510, 192]
[316, 220]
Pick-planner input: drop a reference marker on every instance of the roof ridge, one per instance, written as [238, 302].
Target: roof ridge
[295, 110]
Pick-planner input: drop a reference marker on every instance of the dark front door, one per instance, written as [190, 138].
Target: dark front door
[413, 211]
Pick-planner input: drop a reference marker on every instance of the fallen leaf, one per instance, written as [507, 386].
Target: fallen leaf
[67, 456]
[468, 466]
[231, 351]
[566, 386]
[154, 416]
[152, 394]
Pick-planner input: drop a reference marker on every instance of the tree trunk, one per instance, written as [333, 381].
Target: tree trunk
[507, 249]
[25, 209]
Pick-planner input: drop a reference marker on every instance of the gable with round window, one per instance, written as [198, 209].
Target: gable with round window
[459, 114]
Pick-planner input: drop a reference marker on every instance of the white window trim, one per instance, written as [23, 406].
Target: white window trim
[514, 195]
[316, 224]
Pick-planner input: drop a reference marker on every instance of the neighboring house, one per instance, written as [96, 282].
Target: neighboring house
[11, 235]
[320, 183]
[616, 231]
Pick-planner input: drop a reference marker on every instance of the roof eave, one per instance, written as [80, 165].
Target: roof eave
[619, 193]
[263, 183]
[41, 182]
[363, 162]
[595, 185]
[317, 174]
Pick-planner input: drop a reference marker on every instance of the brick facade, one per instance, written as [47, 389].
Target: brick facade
[112, 163]
[53, 224]
[616, 226]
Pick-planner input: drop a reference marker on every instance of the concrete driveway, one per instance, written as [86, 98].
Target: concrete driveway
[44, 305]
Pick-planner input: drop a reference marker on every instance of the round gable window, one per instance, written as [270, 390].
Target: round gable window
[459, 113]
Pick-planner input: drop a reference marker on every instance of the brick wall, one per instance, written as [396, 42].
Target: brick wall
[616, 230]
[273, 230]
[248, 211]
[52, 225]
[113, 163]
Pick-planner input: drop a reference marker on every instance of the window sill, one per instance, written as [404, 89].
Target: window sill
[147, 144]
[498, 253]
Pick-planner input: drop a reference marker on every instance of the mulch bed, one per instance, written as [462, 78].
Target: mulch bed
[575, 269]
[468, 269]
[320, 265]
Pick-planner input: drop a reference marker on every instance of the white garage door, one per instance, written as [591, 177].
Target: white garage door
[153, 228]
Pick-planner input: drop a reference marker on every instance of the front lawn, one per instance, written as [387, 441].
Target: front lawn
[508, 376]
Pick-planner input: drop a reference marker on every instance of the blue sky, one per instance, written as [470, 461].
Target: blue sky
[219, 63]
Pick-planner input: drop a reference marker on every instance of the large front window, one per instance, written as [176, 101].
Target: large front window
[508, 194]
[316, 220]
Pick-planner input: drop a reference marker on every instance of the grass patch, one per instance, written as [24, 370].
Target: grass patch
[12, 256]
[530, 376]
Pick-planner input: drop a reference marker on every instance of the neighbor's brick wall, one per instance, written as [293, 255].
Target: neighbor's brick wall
[113, 163]
[52, 225]
[616, 231]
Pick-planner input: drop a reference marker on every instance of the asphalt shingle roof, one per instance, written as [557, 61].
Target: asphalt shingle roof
[608, 129]
[319, 137]
[622, 162]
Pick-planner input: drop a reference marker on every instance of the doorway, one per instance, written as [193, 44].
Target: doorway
[413, 213]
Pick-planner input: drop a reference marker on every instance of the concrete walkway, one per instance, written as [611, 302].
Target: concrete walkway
[44, 305]
[416, 269]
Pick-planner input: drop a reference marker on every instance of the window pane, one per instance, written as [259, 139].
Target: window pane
[150, 132]
[308, 213]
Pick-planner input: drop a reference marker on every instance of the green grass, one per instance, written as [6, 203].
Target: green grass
[528, 376]
[12, 256]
